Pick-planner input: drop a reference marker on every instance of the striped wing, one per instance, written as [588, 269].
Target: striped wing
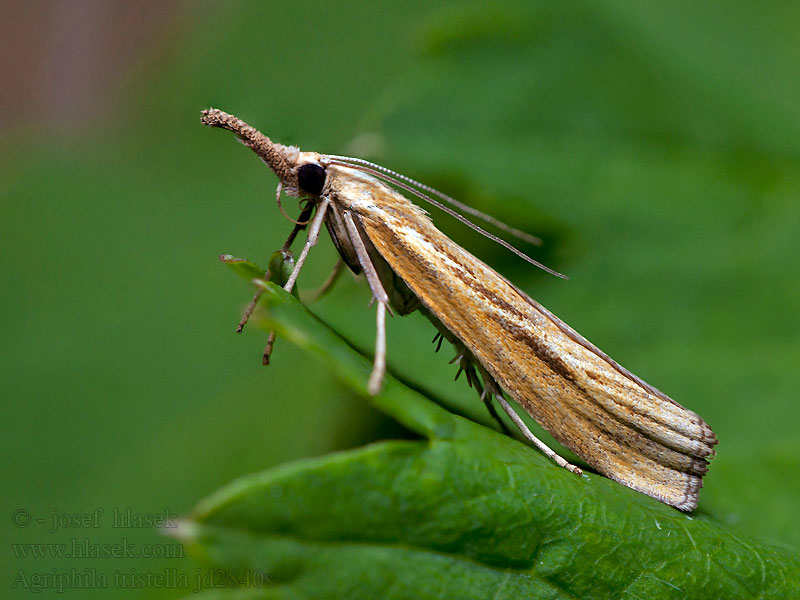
[621, 426]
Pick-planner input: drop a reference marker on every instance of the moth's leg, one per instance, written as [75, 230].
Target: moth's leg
[313, 236]
[268, 348]
[486, 397]
[328, 284]
[438, 339]
[363, 258]
[487, 401]
[467, 365]
[494, 389]
[299, 225]
[248, 312]
[379, 294]
[379, 365]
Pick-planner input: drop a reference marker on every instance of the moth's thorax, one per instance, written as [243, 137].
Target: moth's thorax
[309, 157]
[365, 195]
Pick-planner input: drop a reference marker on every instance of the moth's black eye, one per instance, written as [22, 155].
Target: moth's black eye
[311, 178]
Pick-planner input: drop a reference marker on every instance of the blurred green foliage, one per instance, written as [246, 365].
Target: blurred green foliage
[656, 148]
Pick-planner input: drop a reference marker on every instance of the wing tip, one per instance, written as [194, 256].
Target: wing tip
[691, 494]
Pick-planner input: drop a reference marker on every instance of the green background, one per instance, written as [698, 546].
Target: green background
[656, 149]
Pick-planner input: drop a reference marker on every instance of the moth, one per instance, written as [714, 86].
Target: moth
[505, 341]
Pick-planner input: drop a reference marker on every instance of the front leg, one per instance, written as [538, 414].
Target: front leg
[379, 294]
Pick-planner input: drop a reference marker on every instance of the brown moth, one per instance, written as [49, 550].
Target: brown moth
[624, 428]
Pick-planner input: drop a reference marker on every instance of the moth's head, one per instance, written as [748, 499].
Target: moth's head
[301, 173]
[311, 174]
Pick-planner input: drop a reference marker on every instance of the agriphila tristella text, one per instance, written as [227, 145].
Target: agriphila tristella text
[505, 341]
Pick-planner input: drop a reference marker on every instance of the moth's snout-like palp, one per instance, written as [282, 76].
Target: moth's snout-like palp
[283, 160]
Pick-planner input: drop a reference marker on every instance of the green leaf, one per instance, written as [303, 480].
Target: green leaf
[281, 264]
[243, 267]
[280, 268]
[466, 513]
